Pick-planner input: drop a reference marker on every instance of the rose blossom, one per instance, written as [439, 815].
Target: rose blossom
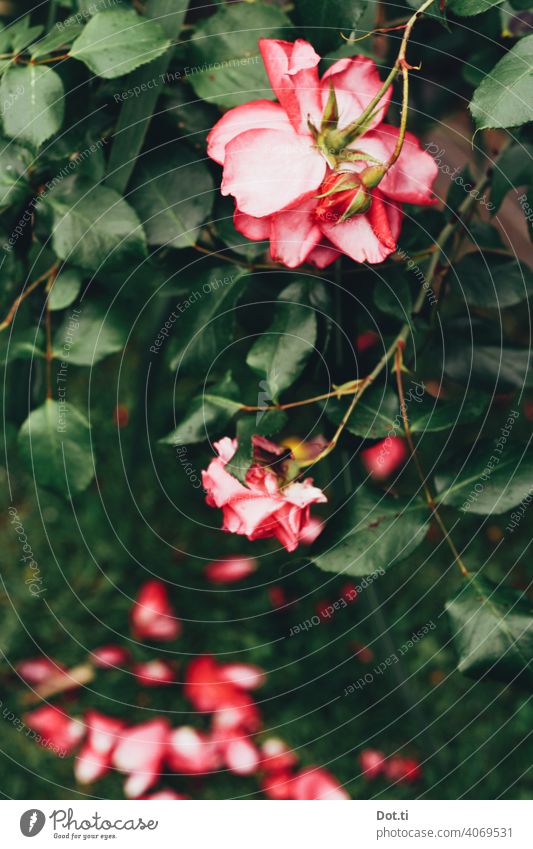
[259, 509]
[288, 164]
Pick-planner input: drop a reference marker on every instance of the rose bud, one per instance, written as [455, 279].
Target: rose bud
[341, 196]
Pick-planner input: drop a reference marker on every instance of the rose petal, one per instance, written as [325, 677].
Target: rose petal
[293, 75]
[356, 238]
[356, 81]
[293, 234]
[410, 179]
[269, 170]
[256, 115]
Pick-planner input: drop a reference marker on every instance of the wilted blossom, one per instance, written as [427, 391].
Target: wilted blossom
[262, 507]
[305, 174]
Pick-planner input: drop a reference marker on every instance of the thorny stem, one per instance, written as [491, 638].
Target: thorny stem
[399, 64]
[16, 303]
[420, 471]
[338, 392]
[49, 345]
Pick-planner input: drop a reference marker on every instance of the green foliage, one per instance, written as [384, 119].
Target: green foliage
[65, 289]
[478, 276]
[213, 292]
[116, 42]
[172, 193]
[505, 98]
[55, 446]
[467, 8]
[281, 353]
[324, 20]
[93, 226]
[492, 629]
[207, 414]
[95, 333]
[369, 535]
[32, 103]
[14, 163]
[226, 44]
[493, 481]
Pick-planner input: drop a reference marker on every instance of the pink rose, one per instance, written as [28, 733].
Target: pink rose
[294, 185]
[259, 509]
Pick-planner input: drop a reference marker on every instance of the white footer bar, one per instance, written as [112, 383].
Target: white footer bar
[268, 824]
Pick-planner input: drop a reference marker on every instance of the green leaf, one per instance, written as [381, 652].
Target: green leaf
[94, 225]
[374, 416]
[116, 42]
[65, 289]
[495, 479]
[21, 345]
[55, 446]
[434, 11]
[204, 318]
[492, 281]
[368, 535]
[136, 112]
[90, 334]
[14, 164]
[490, 367]
[492, 630]
[505, 97]
[172, 192]
[227, 67]
[59, 36]
[282, 351]
[514, 168]
[32, 103]
[467, 8]
[432, 416]
[18, 35]
[393, 296]
[207, 414]
[263, 424]
[484, 236]
[323, 21]
[377, 414]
